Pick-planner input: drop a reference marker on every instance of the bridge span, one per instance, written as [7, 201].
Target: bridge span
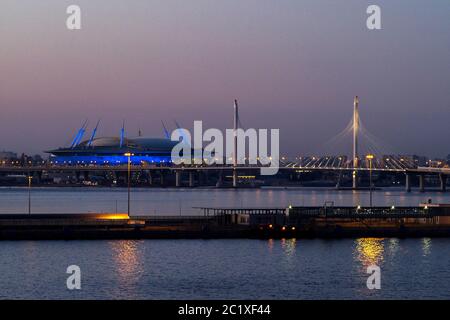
[320, 164]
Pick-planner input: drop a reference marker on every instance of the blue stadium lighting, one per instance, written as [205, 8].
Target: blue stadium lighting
[111, 151]
[111, 159]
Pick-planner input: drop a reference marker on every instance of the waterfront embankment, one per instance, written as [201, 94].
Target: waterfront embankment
[215, 223]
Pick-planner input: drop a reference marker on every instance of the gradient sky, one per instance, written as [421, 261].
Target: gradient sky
[293, 65]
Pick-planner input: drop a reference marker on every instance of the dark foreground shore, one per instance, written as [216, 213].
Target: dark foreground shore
[298, 222]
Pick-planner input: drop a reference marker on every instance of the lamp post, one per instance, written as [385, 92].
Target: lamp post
[129, 154]
[29, 193]
[370, 158]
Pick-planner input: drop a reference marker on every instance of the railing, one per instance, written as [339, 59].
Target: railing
[329, 211]
[250, 211]
[357, 212]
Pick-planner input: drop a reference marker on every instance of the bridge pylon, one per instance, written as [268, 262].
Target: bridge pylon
[235, 148]
[355, 141]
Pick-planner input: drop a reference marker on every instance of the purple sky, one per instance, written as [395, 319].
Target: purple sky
[293, 65]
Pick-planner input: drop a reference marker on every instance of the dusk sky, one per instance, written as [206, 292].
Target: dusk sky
[292, 64]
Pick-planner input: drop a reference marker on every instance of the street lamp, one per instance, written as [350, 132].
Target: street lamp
[29, 193]
[129, 154]
[370, 158]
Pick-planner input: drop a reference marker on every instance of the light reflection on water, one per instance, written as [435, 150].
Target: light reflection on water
[127, 265]
[289, 246]
[373, 251]
[226, 269]
[393, 244]
[127, 256]
[369, 251]
[270, 244]
[426, 246]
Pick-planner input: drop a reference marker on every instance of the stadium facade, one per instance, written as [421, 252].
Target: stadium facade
[113, 150]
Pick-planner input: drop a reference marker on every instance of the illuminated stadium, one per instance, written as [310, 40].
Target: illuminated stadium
[109, 151]
[112, 150]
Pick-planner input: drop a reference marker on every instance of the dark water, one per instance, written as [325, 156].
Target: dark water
[226, 269]
[218, 269]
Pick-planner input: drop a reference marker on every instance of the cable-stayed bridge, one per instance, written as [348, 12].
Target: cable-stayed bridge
[368, 153]
[385, 163]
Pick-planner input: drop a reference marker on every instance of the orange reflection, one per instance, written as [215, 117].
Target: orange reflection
[112, 216]
[270, 244]
[370, 250]
[127, 258]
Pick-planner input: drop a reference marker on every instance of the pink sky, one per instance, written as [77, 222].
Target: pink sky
[293, 65]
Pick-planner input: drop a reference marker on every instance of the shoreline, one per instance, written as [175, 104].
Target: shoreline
[235, 223]
[184, 188]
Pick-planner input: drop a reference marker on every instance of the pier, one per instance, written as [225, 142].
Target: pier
[215, 223]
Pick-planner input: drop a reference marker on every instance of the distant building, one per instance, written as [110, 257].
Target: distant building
[7, 155]
[420, 160]
[436, 163]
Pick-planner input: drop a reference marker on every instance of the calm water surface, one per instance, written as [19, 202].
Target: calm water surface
[226, 269]
[176, 201]
[218, 269]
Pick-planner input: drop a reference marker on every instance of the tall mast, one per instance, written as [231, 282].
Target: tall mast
[122, 134]
[355, 139]
[235, 125]
[93, 134]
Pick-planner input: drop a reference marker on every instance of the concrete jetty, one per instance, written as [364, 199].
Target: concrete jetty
[291, 222]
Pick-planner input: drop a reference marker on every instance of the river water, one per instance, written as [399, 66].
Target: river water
[175, 201]
[218, 269]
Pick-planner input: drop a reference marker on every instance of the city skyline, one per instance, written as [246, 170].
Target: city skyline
[293, 65]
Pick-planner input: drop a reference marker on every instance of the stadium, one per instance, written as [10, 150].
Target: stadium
[113, 150]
